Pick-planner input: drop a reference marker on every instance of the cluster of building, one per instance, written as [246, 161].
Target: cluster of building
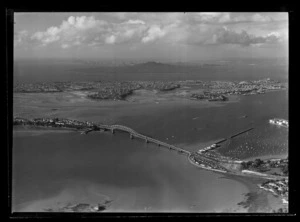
[214, 90]
[159, 85]
[55, 122]
[120, 90]
[81, 207]
[220, 158]
[267, 165]
[278, 188]
[209, 96]
[206, 163]
[100, 90]
[113, 93]
[55, 86]
[218, 90]
[32, 88]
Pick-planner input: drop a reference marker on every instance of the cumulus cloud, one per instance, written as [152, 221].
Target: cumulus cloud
[78, 30]
[51, 35]
[227, 36]
[153, 33]
[257, 18]
[20, 36]
[212, 17]
[225, 17]
[110, 39]
[261, 18]
[135, 22]
[173, 28]
[131, 30]
[71, 32]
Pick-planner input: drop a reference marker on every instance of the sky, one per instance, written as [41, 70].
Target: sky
[171, 37]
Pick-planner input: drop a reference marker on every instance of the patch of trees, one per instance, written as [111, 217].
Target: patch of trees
[281, 210]
[255, 164]
[285, 169]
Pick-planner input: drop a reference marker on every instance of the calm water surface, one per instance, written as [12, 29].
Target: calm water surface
[135, 175]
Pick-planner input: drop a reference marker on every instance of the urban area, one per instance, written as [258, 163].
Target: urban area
[210, 90]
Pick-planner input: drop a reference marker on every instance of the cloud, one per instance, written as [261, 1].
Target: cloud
[249, 17]
[129, 31]
[261, 18]
[153, 33]
[227, 36]
[212, 17]
[135, 22]
[172, 28]
[110, 39]
[71, 32]
[78, 30]
[20, 36]
[64, 46]
[227, 18]
[51, 35]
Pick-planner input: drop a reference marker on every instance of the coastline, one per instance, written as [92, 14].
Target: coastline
[77, 192]
[256, 200]
[277, 156]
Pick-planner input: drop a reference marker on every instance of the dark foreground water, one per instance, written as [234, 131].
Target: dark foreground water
[134, 175]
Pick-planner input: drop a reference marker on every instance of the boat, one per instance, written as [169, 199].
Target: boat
[279, 122]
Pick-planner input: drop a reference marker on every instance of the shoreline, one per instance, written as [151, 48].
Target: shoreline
[82, 193]
[256, 199]
[252, 188]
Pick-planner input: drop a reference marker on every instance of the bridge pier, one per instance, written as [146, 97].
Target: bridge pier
[131, 136]
[146, 140]
[112, 131]
[158, 144]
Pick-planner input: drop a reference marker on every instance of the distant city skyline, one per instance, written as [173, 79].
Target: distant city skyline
[165, 37]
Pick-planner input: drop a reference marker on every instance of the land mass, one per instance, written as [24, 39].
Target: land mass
[198, 90]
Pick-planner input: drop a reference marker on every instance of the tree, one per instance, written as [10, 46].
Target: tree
[258, 162]
[285, 169]
[244, 165]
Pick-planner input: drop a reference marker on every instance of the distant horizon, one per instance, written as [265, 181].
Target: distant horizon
[229, 59]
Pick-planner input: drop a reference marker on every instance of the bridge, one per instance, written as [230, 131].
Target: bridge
[212, 163]
[133, 134]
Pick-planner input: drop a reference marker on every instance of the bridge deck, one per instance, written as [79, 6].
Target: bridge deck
[139, 135]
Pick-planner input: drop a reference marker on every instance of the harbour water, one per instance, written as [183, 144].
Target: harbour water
[143, 177]
[135, 175]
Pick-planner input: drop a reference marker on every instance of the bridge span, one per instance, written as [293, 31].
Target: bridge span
[134, 134]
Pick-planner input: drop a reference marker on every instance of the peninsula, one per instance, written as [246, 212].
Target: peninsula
[197, 90]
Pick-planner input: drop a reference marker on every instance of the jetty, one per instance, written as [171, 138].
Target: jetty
[239, 133]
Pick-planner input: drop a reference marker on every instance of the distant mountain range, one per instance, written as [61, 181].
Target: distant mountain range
[144, 67]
